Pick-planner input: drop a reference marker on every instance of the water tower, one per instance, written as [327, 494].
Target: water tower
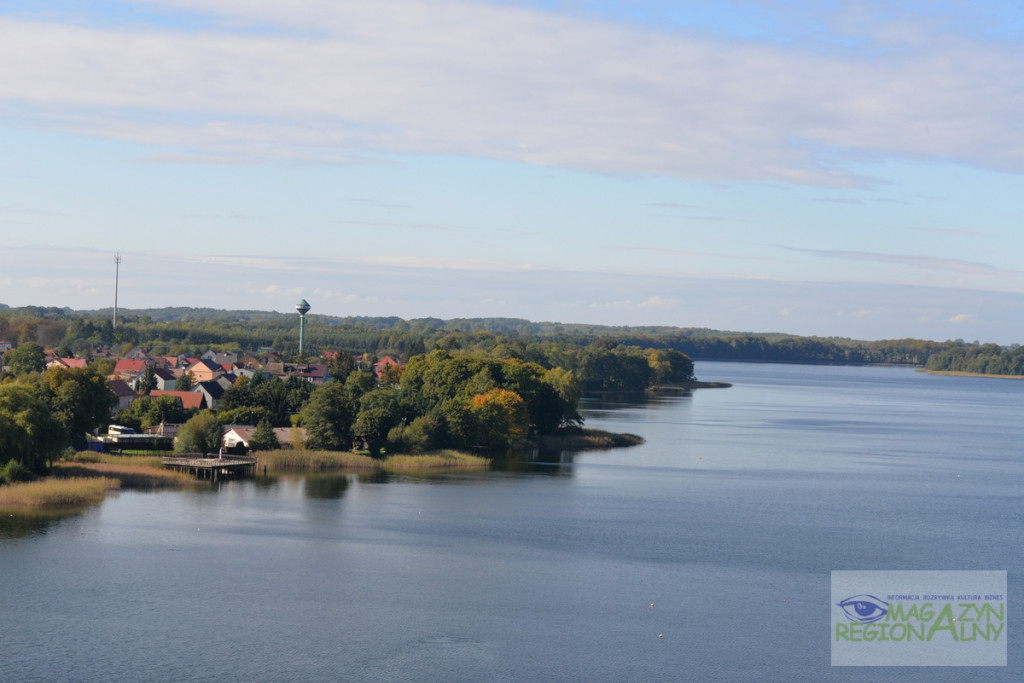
[303, 308]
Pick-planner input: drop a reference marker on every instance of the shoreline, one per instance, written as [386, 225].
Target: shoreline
[687, 386]
[961, 373]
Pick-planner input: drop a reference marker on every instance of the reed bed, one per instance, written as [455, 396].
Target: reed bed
[55, 494]
[326, 461]
[92, 457]
[316, 461]
[445, 460]
[132, 475]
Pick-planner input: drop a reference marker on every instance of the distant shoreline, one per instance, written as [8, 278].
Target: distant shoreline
[959, 373]
[686, 386]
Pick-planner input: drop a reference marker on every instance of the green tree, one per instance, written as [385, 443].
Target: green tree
[360, 382]
[342, 363]
[378, 413]
[670, 366]
[28, 357]
[245, 415]
[185, 382]
[264, 438]
[147, 382]
[327, 417]
[29, 433]
[202, 433]
[273, 395]
[79, 398]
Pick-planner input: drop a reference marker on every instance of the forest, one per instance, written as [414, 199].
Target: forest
[170, 331]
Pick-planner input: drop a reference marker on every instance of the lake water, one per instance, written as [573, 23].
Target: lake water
[728, 519]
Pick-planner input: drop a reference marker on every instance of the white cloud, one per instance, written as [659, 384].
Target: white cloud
[961, 318]
[340, 82]
[658, 302]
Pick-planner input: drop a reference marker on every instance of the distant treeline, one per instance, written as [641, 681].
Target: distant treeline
[172, 331]
[985, 359]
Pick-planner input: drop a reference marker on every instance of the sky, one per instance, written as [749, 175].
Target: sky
[828, 168]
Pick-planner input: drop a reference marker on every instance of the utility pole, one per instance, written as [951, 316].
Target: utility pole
[117, 276]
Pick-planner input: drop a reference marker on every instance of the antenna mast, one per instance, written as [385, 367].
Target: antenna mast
[117, 277]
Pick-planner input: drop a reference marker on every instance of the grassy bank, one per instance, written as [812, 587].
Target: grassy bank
[55, 494]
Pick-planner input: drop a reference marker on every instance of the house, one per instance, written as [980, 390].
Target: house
[204, 370]
[237, 437]
[190, 400]
[165, 379]
[316, 373]
[385, 362]
[212, 389]
[138, 353]
[5, 346]
[67, 363]
[127, 368]
[220, 358]
[124, 393]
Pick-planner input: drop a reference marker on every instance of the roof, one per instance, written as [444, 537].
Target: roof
[244, 433]
[68, 362]
[120, 388]
[311, 371]
[128, 366]
[208, 364]
[378, 367]
[164, 374]
[190, 400]
[214, 389]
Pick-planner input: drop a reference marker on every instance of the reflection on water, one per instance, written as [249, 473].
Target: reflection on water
[325, 485]
[554, 463]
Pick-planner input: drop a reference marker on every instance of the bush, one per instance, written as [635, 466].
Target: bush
[14, 471]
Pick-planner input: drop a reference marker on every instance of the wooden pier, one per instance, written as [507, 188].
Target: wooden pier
[213, 468]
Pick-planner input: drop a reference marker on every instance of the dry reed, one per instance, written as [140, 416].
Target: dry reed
[50, 493]
[445, 460]
[137, 473]
[315, 461]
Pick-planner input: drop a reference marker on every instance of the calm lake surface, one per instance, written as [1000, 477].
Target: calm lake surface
[729, 519]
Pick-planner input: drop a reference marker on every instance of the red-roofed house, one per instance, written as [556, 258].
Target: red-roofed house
[190, 400]
[68, 363]
[378, 367]
[126, 368]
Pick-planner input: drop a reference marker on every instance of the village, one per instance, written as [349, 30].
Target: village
[197, 384]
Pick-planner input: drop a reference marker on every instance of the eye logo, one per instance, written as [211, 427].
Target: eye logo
[864, 608]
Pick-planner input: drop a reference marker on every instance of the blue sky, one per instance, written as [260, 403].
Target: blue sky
[823, 168]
